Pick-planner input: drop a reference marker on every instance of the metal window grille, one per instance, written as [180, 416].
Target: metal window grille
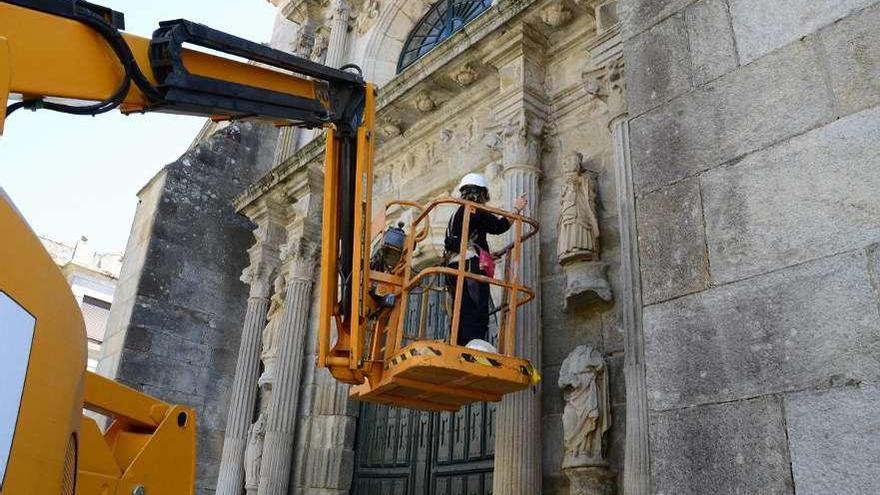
[442, 21]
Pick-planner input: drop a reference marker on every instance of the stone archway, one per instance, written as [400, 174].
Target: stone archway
[387, 37]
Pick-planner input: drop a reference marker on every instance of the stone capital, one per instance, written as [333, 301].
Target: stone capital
[301, 260]
[258, 275]
[521, 141]
[603, 74]
[264, 253]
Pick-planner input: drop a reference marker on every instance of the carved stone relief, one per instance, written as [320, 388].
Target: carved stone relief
[269, 352]
[583, 379]
[577, 230]
[253, 454]
[465, 76]
[365, 15]
[555, 14]
[424, 102]
[320, 44]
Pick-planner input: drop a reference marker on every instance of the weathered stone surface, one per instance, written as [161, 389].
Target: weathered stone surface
[551, 397]
[185, 301]
[671, 244]
[639, 15]
[852, 54]
[762, 26]
[684, 51]
[781, 95]
[874, 267]
[662, 53]
[565, 330]
[790, 330]
[814, 195]
[710, 39]
[733, 448]
[834, 440]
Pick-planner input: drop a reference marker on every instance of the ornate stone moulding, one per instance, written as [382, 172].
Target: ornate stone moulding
[313, 152]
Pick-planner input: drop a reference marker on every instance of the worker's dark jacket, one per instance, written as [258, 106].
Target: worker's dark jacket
[474, 322]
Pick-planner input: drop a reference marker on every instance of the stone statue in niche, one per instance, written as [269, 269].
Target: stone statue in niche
[583, 379]
[577, 229]
[578, 226]
[269, 352]
[253, 454]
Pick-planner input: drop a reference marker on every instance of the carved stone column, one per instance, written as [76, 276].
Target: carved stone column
[518, 434]
[636, 466]
[264, 262]
[521, 110]
[282, 415]
[303, 45]
[340, 15]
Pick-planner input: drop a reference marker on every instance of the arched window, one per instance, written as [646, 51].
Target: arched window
[445, 18]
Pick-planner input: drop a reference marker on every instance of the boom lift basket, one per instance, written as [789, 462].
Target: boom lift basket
[407, 368]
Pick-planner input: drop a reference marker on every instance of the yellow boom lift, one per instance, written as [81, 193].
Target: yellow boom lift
[72, 56]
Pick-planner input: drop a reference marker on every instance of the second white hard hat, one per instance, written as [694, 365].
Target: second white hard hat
[473, 180]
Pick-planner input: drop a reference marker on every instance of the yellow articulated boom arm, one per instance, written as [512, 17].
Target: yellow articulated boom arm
[150, 446]
[71, 56]
[71, 49]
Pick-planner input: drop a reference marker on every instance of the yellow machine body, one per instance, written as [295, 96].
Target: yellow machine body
[55, 447]
[52, 397]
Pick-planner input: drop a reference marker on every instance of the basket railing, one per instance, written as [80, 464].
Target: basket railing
[514, 292]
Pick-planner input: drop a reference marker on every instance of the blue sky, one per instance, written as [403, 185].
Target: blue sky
[73, 176]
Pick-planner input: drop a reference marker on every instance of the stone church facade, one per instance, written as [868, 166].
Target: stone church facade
[707, 180]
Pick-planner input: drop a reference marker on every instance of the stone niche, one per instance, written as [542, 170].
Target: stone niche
[577, 229]
[583, 380]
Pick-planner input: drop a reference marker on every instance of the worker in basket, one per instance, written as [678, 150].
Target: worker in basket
[473, 330]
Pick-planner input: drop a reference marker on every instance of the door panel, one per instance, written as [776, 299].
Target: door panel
[405, 452]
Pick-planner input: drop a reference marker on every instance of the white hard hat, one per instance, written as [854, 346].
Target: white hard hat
[473, 180]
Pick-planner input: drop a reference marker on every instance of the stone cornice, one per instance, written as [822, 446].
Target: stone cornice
[474, 32]
[311, 152]
[461, 49]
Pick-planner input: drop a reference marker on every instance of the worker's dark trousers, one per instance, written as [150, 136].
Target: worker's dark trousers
[474, 320]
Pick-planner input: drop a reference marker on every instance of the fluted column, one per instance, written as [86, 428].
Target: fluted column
[336, 46]
[518, 430]
[282, 416]
[244, 386]
[636, 464]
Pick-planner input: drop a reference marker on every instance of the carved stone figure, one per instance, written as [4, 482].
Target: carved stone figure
[583, 379]
[578, 226]
[269, 352]
[366, 16]
[424, 102]
[253, 454]
[465, 76]
[390, 128]
[555, 14]
[577, 243]
[303, 43]
[319, 46]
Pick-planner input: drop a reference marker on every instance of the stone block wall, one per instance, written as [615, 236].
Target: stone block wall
[754, 130]
[175, 330]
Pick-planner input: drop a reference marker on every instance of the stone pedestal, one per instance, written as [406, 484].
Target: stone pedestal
[590, 480]
[586, 282]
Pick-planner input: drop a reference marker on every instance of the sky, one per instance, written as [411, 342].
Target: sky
[73, 176]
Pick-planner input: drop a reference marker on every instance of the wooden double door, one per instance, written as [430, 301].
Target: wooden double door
[404, 452]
